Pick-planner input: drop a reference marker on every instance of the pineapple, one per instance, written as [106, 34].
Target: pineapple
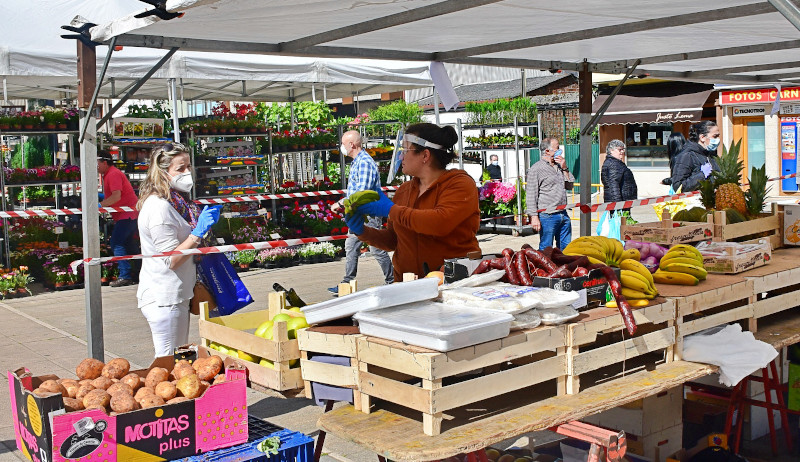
[729, 194]
[758, 191]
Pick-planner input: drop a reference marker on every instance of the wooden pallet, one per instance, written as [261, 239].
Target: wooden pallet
[776, 285]
[323, 340]
[538, 356]
[769, 223]
[598, 339]
[233, 331]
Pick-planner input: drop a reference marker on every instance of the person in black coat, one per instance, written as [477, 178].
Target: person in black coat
[494, 168]
[618, 182]
[675, 144]
[698, 158]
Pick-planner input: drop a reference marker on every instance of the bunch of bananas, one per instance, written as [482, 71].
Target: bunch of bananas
[357, 199]
[599, 249]
[681, 265]
[637, 282]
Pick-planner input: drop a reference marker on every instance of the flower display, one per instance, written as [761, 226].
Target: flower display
[47, 174]
[497, 199]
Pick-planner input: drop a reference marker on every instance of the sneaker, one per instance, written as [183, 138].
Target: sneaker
[334, 291]
[122, 283]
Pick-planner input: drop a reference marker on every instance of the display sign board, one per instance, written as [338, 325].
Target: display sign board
[747, 111]
[759, 95]
[790, 108]
[142, 128]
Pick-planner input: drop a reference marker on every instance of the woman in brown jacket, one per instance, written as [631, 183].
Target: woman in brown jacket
[434, 216]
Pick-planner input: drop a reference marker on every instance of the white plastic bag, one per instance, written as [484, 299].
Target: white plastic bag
[738, 354]
[490, 298]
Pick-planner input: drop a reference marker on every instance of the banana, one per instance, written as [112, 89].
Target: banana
[666, 261]
[607, 245]
[634, 281]
[637, 267]
[697, 271]
[584, 242]
[687, 248]
[618, 249]
[634, 302]
[594, 257]
[594, 261]
[586, 249]
[684, 254]
[669, 277]
[635, 294]
[631, 254]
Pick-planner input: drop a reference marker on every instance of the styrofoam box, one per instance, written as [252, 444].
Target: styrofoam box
[373, 298]
[436, 326]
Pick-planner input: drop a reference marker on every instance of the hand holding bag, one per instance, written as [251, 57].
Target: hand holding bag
[224, 284]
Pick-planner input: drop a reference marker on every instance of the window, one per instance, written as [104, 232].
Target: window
[646, 144]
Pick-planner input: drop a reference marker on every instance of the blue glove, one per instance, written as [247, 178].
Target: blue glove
[706, 169]
[100, 196]
[379, 208]
[206, 220]
[355, 222]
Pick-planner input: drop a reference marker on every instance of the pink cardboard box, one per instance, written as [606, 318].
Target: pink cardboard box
[45, 432]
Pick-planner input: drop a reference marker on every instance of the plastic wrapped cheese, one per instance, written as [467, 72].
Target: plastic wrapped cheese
[539, 297]
[526, 320]
[476, 280]
[560, 315]
[491, 298]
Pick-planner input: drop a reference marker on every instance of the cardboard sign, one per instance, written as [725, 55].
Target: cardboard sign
[63, 245]
[261, 211]
[61, 155]
[58, 230]
[275, 236]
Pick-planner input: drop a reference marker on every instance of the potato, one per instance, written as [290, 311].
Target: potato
[96, 397]
[89, 368]
[216, 363]
[207, 372]
[156, 376]
[178, 399]
[96, 406]
[166, 390]
[132, 380]
[102, 383]
[189, 386]
[151, 401]
[117, 368]
[39, 392]
[199, 362]
[72, 387]
[182, 371]
[51, 386]
[85, 382]
[181, 363]
[72, 404]
[83, 391]
[123, 402]
[142, 392]
[203, 387]
[218, 379]
[120, 387]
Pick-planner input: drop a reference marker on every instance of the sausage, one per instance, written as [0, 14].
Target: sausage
[560, 272]
[579, 271]
[540, 260]
[526, 246]
[483, 267]
[581, 262]
[622, 304]
[522, 269]
[541, 273]
[547, 251]
[511, 271]
[508, 252]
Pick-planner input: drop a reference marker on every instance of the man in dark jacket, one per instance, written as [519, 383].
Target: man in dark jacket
[618, 181]
[494, 168]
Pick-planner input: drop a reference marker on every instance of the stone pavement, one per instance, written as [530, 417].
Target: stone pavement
[46, 333]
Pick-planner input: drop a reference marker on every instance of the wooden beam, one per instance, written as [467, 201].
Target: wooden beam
[87, 74]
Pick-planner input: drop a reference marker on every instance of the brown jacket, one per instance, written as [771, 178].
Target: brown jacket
[439, 224]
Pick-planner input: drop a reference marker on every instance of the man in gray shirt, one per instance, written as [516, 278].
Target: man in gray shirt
[548, 181]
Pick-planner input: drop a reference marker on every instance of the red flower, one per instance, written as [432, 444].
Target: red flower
[345, 229]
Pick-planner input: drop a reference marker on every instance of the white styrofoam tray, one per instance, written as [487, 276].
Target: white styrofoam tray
[436, 326]
[373, 298]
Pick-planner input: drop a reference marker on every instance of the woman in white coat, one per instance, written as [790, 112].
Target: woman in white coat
[169, 220]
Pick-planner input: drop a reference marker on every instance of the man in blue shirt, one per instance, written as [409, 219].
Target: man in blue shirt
[363, 176]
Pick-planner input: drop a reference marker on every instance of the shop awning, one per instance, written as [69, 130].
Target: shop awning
[652, 103]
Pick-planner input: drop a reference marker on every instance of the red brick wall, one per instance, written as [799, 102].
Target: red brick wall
[553, 121]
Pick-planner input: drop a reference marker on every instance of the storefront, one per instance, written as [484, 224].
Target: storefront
[767, 139]
[643, 115]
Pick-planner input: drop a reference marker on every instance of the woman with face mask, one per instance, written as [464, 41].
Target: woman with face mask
[169, 220]
[698, 158]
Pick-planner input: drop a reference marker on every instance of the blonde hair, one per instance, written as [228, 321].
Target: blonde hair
[156, 182]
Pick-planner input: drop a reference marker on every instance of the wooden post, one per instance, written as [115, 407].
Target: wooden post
[585, 162]
[432, 423]
[409, 277]
[276, 303]
[87, 74]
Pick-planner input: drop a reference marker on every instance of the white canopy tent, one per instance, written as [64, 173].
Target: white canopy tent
[36, 63]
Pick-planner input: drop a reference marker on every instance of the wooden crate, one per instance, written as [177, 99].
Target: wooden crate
[232, 331]
[665, 232]
[322, 340]
[538, 355]
[769, 223]
[777, 286]
[598, 339]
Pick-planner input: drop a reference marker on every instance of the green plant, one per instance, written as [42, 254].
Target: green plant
[401, 111]
[159, 110]
[245, 257]
[34, 153]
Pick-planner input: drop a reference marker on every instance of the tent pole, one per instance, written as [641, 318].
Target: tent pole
[436, 106]
[341, 162]
[87, 70]
[460, 144]
[585, 112]
[176, 130]
[99, 83]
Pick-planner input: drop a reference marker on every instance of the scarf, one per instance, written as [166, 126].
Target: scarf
[187, 209]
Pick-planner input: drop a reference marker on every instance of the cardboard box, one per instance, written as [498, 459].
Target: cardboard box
[712, 440]
[732, 257]
[594, 283]
[45, 432]
[456, 269]
[645, 416]
[791, 225]
[667, 232]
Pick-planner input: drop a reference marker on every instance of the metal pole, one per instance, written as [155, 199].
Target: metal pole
[176, 130]
[341, 162]
[460, 145]
[102, 75]
[436, 105]
[524, 83]
[585, 111]
[520, 169]
[6, 244]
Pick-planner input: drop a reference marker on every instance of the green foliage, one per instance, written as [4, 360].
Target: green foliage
[306, 112]
[405, 113]
[160, 110]
[501, 111]
[332, 172]
[36, 150]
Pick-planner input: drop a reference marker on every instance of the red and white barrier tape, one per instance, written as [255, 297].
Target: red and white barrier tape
[214, 249]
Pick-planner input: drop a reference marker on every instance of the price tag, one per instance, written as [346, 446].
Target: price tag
[229, 214]
[582, 300]
[319, 177]
[61, 155]
[275, 236]
[63, 245]
[665, 135]
[58, 230]
[314, 207]
[652, 135]
[637, 136]
[220, 240]
[261, 211]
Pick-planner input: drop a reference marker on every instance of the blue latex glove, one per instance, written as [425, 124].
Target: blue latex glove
[379, 208]
[706, 169]
[100, 196]
[355, 222]
[206, 220]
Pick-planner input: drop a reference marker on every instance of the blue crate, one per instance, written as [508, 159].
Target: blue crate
[295, 447]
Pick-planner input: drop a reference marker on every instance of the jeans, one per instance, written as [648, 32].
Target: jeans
[169, 326]
[555, 225]
[352, 250]
[122, 244]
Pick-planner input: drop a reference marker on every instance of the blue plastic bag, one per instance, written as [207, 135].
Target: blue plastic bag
[609, 226]
[228, 290]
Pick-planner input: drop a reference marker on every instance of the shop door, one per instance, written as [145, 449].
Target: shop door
[751, 131]
[789, 152]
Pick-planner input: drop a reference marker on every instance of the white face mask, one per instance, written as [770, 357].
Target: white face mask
[343, 149]
[183, 182]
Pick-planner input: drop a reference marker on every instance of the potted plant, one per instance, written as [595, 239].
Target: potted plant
[245, 257]
[7, 286]
[108, 272]
[21, 280]
[52, 117]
